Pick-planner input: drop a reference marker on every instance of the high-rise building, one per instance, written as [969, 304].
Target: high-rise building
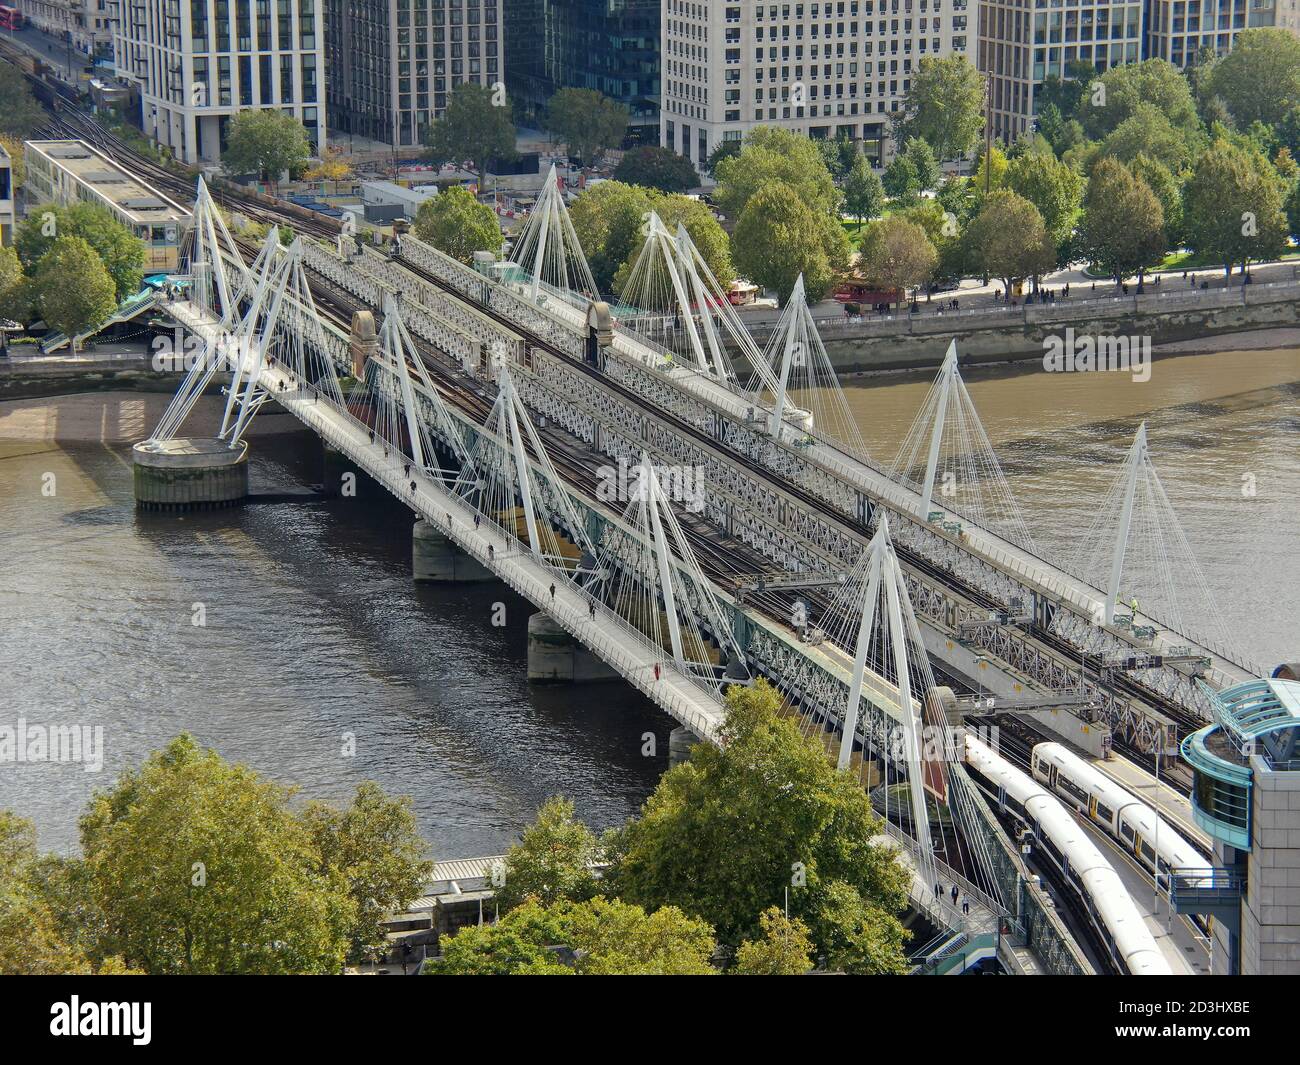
[199, 62]
[393, 63]
[611, 46]
[1023, 42]
[1179, 29]
[827, 69]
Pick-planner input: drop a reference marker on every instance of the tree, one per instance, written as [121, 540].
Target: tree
[721, 832]
[455, 223]
[1233, 207]
[1123, 226]
[779, 237]
[74, 291]
[608, 219]
[1168, 190]
[17, 158]
[552, 861]
[1008, 240]
[897, 254]
[587, 122]
[657, 168]
[864, 195]
[727, 149]
[19, 111]
[772, 154]
[598, 937]
[333, 170]
[1055, 188]
[924, 165]
[900, 181]
[708, 236]
[990, 173]
[1260, 77]
[1148, 131]
[374, 844]
[120, 250]
[785, 948]
[1121, 90]
[1292, 208]
[944, 106]
[15, 299]
[1067, 94]
[266, 143]
[199, 866]
[475, 128]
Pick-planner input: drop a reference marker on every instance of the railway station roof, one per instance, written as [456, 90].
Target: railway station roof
[110, 183]
[1258, 708]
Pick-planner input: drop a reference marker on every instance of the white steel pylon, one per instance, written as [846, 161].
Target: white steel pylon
[1136, 550]
[507, 486]
[399, 403]
[211, 247]
[548, 246]
[672, 299]
[648, 575]
[808, 388]
[959, 460]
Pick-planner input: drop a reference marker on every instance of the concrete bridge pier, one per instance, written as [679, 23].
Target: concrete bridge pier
[435, 558]
[556, 657]
[190, 473]
[680, 742]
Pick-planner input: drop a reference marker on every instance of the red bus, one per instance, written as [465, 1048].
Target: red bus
[10, 18]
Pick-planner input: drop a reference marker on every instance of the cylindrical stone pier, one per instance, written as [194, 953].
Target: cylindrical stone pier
[680, 742]
[190, 474]
[436, 558]
[556, 657]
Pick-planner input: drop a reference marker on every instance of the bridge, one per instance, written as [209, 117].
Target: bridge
[496, 403]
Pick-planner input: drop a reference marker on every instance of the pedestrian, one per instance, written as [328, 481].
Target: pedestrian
[955, 893]
[656, 671]
[965, 906]
[938, 890]
[552, 592]
[477, 516]
[491, 552]
[591, 609]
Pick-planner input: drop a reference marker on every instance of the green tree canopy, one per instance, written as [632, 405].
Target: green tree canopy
[455, 222]
[900, 180]
[1168, 190]
[552, 860]
[785, 948]
[73, 290]
[1121, 90]
[15, 297]
[1148, 131]
[266, 143]
[587, 122]
[657, 168]
[773, 154]
[1008, 239]
[19, 111]
[475, 128]
[375, 845]
[944, 106]
[1123, 227]
[897, 254]
[779, 237]
[199, 866]
[120, 250]
[707, 234]
[1233, 207]
[1055, 188]
[728, 832]
[608, 219]
[924, 164]
[864, 195]
[1260, 77]
[598, 937]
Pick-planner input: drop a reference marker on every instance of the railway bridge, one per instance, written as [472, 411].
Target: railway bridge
[694, 533]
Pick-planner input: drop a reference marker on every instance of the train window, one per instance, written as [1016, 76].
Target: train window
[1126, 831]
[1147, 853]
[1105, 813]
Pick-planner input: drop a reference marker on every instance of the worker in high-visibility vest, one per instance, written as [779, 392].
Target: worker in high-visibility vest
[1134, 605]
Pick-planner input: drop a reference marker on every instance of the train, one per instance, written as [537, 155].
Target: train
[1063, 842]
[1154, 843]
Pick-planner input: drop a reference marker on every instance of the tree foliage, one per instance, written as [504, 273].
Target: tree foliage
[587, 122]
[772, 154]
[267, 143]
[1055, 188]
[785, 948]
[455, 222]
[598, 937]
[943, 106]
[1260, 77]
[728, 832]
[1008, 239]
[1118, 93]
[19, 111]
[657, 168]
[552, 861]
[1233, 207]
[73, 290]
[120, 250]
[897, 253]
[1123, 227]
[475, 128]
[864, 195]
[779, 237]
